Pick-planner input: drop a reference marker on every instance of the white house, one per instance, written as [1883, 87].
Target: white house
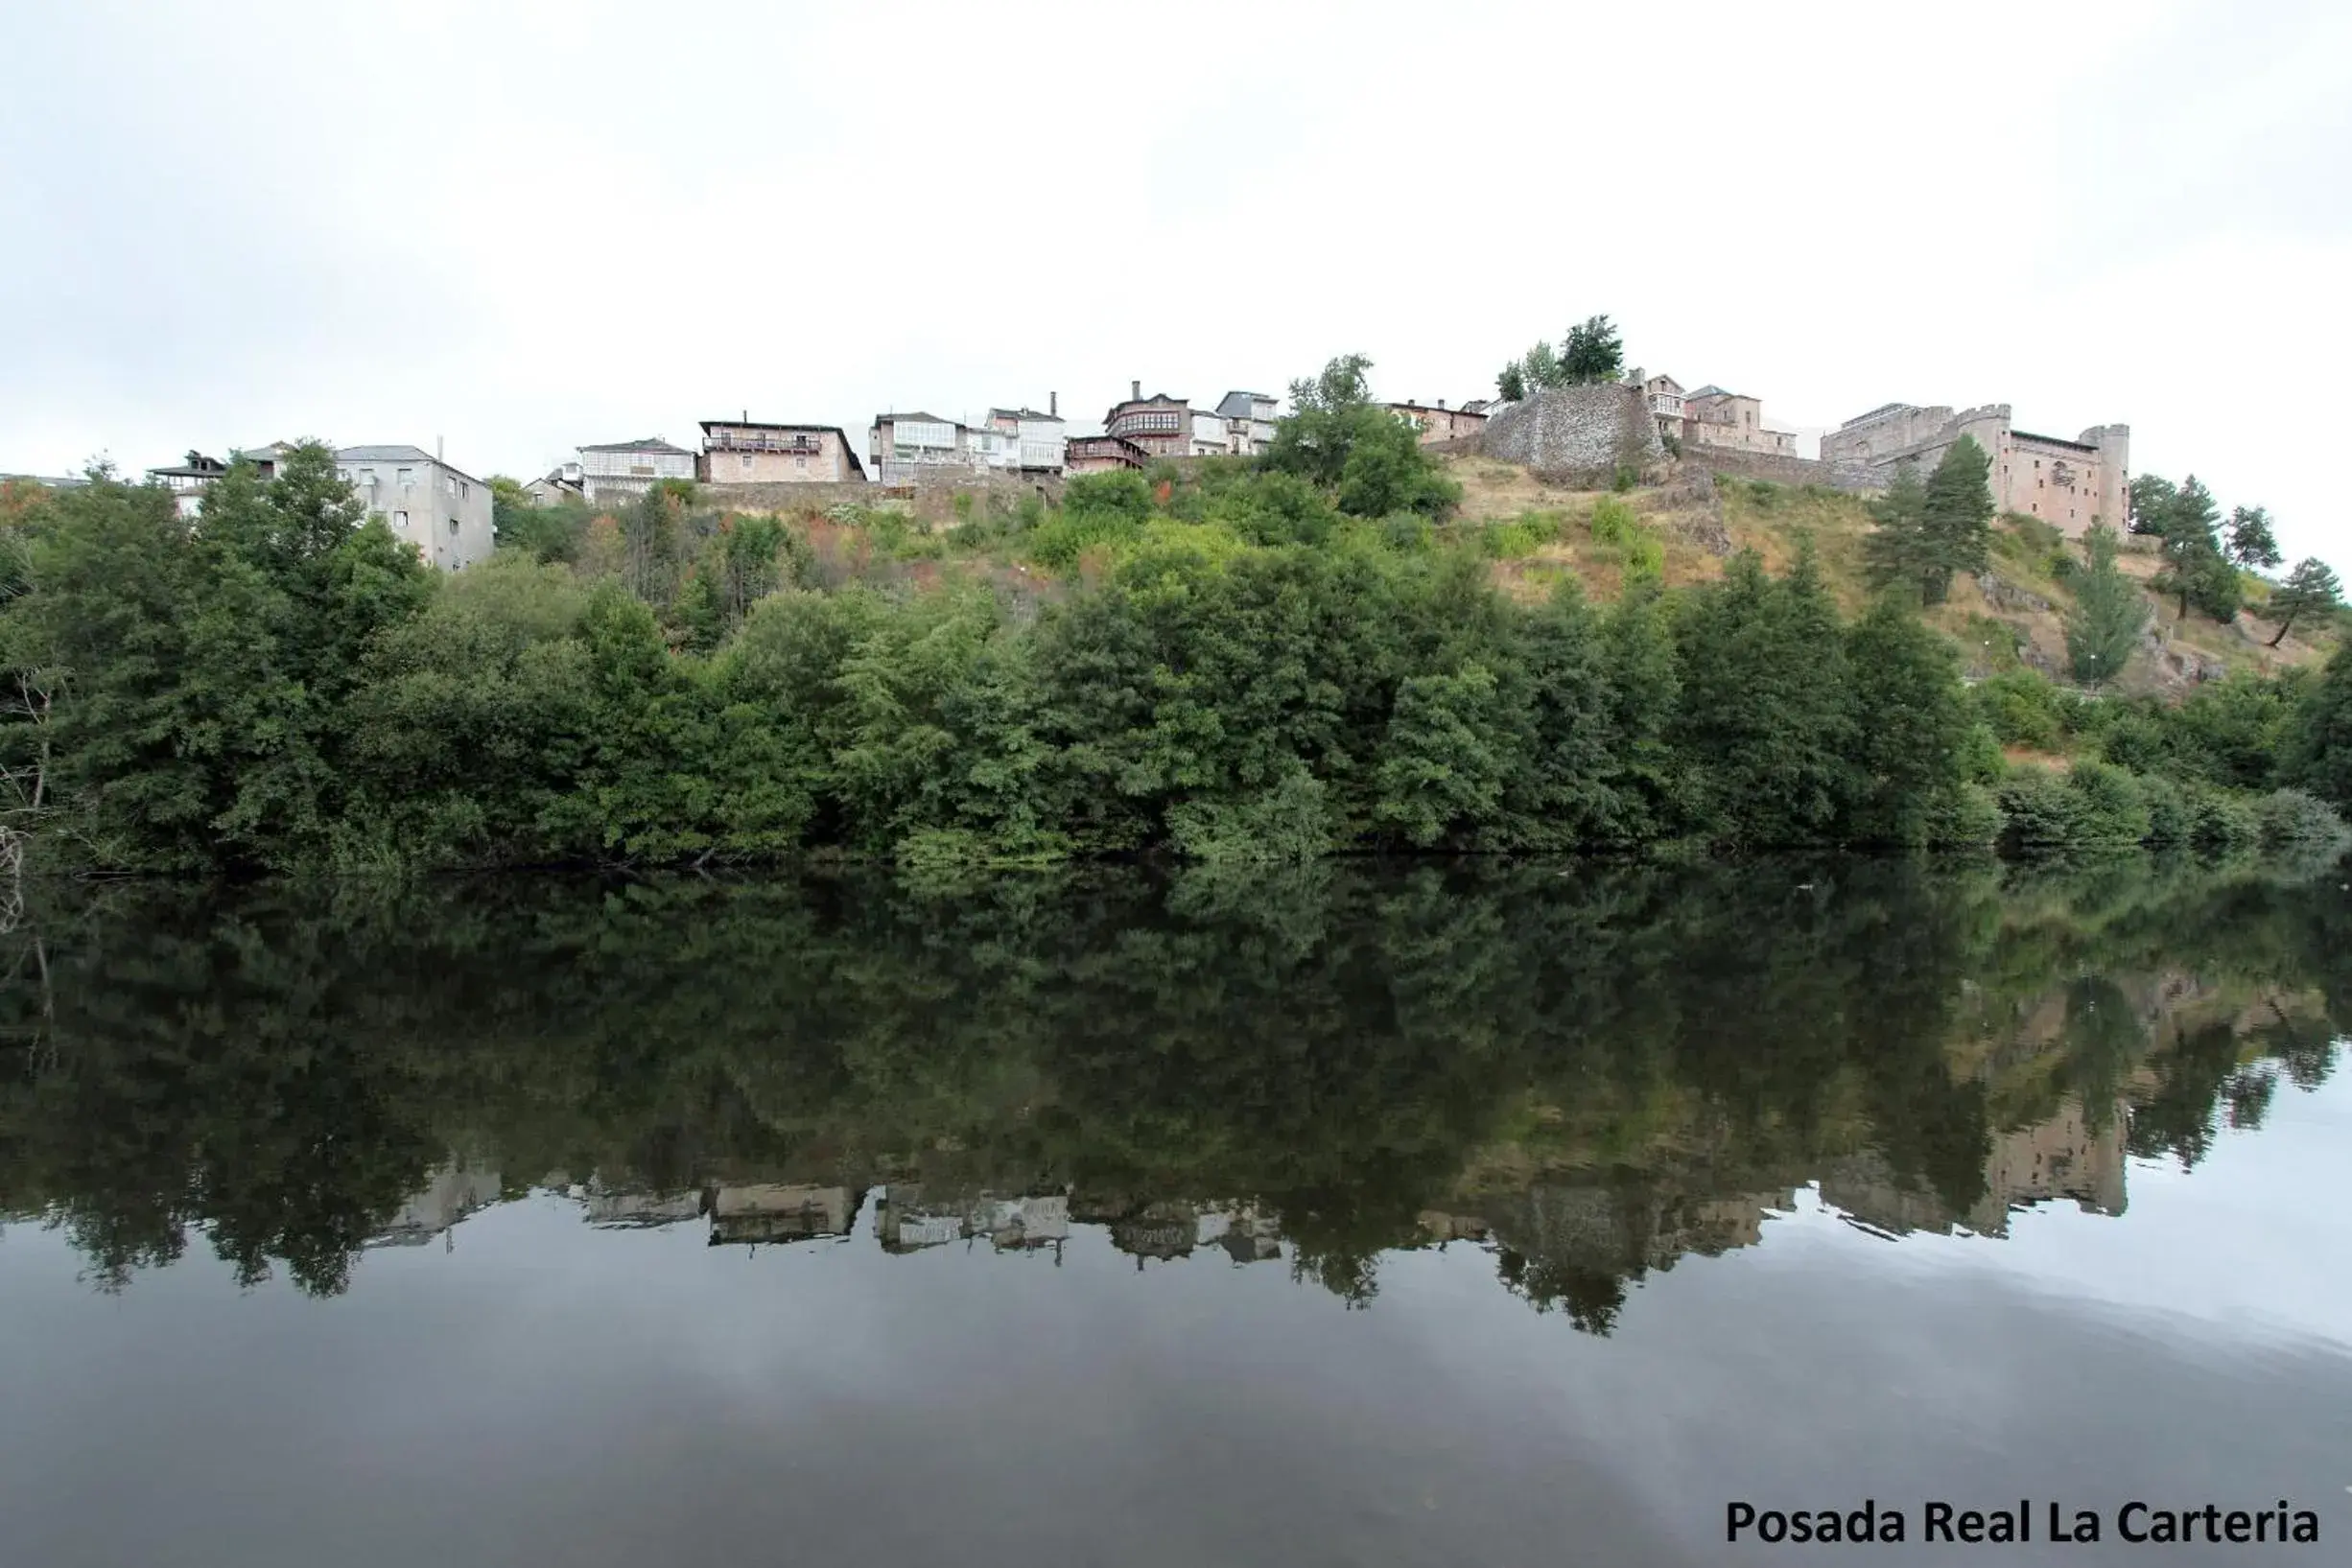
[443, 512]
[628, 469]
[1249, 421]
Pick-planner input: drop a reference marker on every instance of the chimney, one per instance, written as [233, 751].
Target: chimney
[1135, 391]
[1440, 402]
[1053, 404]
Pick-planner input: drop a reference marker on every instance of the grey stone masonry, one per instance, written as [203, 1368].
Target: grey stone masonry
[1572, 432]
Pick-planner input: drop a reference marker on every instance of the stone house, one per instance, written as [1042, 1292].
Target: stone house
[626, 470]
[1436, 422]
[1714, 417]
[750, 451]
[2073, 486]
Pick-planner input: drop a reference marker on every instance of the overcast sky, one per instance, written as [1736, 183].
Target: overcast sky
[519, 227]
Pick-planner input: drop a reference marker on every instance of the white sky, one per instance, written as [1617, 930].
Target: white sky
[523, 226]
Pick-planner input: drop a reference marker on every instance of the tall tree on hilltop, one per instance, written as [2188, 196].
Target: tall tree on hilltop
[1897, 551]
[1541, 365]
[2188, 523]
[2310, 589]
[2108, 616]
[1511, 386]
[2252, 543]
[1956, 516]
[1592, 354]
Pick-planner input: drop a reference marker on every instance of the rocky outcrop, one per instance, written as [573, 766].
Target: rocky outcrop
[1575, 435]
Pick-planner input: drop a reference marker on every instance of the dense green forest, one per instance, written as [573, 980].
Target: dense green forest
[1263, 661]
[270, 1074]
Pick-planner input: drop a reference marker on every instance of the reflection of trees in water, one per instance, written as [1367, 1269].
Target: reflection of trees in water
[1608, 1066]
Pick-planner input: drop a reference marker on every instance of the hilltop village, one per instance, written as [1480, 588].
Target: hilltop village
[446, 511]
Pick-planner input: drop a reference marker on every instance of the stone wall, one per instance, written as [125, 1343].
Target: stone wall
[1780, 469]
[1575, 434]
[934, 500]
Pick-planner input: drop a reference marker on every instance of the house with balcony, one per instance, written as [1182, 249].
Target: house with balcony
[1103, 454]
[1249, 421]
[904, 448]
[625, 470]
[1038, 439]
[751, 451]
[188, 480]
[1663, 396]
[1161, 425]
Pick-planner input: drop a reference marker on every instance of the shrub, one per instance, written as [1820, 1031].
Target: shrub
[1614, 522]
[2039, 811]
[1288, 822]
[1764, 494]
[2220, 819]
[2022, 708]
[2170, 819]
[1965, 815]
[1626, 478]
[2291, 818]
[2110, 809]
[1522, 535]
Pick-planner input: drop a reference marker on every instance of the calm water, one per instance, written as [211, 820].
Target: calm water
[1431, 1216]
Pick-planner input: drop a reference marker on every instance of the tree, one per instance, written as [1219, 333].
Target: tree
[1592, 354]
[1338, 439]
[1956, 517]
[1896, 549]
[2320, 754]
[2252, 543]
[1542, 367]
[2108, 616]
[2188, 524]
[2310, 589]
[1908, 754]
[1512, 384]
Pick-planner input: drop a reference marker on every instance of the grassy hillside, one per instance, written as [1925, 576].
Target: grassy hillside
[1540, 532]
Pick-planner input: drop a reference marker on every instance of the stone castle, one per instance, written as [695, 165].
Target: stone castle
[2072, 485]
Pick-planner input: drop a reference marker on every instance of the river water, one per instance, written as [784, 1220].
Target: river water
[1359, 1215]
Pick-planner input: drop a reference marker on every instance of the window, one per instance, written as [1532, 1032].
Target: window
[800, 462]
[746, 460]
[403, 476]
[400, 519]
[453, 527]
[464, 489]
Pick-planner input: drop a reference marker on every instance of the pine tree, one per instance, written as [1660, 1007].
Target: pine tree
[2252, 543]
[2310, 589]
[1957, 517]
[1897, 551]
[2194, 570]
[2108, 616]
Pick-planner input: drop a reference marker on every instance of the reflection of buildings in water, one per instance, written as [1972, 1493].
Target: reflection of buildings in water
[909, 1219]
[778, 1212]
[1619, 1230]
[2065, 1157]
[638, 1210]
[454, 1191]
